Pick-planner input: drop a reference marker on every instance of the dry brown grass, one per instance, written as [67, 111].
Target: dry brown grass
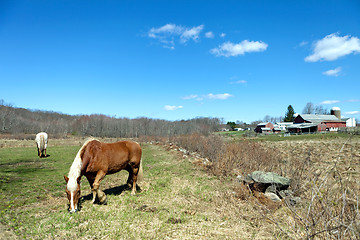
[10, 141]
[324, 173]
[328, 183]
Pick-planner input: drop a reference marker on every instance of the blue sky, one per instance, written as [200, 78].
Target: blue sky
[173, 60]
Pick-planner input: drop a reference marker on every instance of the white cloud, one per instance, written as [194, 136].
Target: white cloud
[209, 35]
[172, 108]
[303, 43]
[192, 33]
[219, 96]
[239, 82]
[169, 33]
[333, 72]
[222, 35]
[171, 47]
[353, 113]
[229, 49]
[354, 100]
[333, 47]
[193, 96]
[166, 29]
[329, 102]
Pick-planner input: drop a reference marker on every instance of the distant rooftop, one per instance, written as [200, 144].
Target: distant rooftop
[302, 125]
[319, 118]
[284, 123]
[263, 123]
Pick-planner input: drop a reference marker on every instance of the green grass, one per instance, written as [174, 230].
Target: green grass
[177, 200]
[231, 133]
[24, 178]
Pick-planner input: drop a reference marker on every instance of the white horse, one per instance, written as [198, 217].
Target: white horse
[41, 143]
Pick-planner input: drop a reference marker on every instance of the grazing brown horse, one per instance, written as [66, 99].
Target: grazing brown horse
[95, 160]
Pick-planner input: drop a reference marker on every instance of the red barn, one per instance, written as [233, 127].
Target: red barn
[264, 127]
[304, 123]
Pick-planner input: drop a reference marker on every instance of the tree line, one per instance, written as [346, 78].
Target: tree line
[24, 121]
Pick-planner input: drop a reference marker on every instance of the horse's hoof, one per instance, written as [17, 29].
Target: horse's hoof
[105, 202]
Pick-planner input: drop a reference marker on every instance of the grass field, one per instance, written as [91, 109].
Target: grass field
[177, 201]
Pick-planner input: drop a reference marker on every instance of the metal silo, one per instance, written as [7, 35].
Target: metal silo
[336, 112]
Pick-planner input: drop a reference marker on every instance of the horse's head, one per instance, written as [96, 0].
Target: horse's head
[73, 193]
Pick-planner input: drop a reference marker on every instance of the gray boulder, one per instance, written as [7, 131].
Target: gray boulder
[272, 196]
[272, 189]
[260, 181]
[274, 186]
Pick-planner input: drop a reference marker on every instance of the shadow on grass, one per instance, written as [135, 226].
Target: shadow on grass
[110, 191]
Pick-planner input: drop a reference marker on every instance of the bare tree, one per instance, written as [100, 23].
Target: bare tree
[267, 118]
[98, 125]
[309, 108]
[320, 110]
[7, 116]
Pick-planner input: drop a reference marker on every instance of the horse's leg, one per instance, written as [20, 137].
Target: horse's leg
[135, 171]
[39, 153]
[45, 151]
[91, 182]
[130, 178]
[96, 187]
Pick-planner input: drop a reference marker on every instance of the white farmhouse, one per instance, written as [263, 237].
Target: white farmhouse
[350, 122]
[283, 125]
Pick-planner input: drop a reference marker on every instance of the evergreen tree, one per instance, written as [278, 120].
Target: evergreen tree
[232, 125]
[289, 116]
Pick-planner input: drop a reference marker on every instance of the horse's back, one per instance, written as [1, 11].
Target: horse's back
[110, 157]
[41, 139]
[129, 151]
[134, 148]
[41, 135]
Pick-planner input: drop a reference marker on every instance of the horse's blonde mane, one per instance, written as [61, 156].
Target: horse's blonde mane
[75, 169]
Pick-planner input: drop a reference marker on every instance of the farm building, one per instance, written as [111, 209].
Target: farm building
[265, 127]
[350, 122]
[308, 123]
[276, 129]
[282, 125]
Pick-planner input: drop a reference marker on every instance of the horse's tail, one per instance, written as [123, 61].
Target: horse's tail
[140, 175]
[42, 142]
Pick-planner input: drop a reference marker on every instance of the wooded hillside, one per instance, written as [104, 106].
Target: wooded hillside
[24, 121]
